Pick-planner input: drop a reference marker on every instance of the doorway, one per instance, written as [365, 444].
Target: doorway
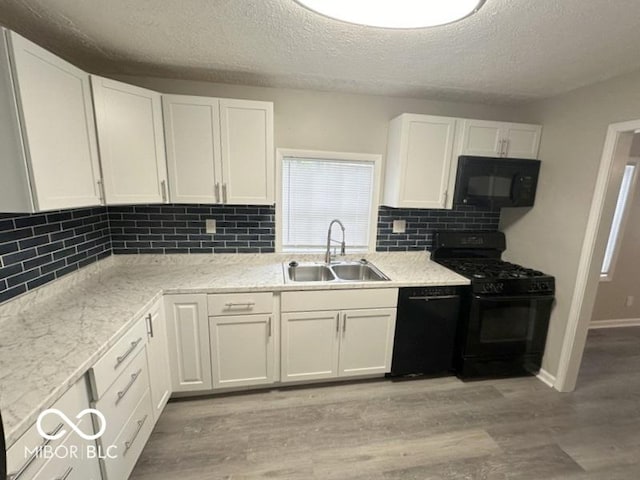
[615, 156]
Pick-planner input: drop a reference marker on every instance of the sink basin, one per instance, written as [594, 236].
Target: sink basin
[336, 272]
[358, 272]
[311, 273]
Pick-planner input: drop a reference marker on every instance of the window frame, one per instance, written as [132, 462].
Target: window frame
[376, 159]
[608, 276]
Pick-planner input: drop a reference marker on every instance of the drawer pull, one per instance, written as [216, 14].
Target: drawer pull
[66, 474]
[246, 305]
[124, 356]
[34, 455]
[129, 444]
[123, 392]
[149, 319]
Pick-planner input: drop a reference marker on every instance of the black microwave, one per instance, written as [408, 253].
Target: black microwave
[496, 182]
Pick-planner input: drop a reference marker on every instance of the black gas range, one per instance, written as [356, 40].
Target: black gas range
[505, 315]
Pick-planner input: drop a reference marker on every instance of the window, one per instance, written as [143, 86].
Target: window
[626, 191]
[317, 187]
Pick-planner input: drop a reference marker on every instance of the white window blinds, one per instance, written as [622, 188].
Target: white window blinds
[315, 191]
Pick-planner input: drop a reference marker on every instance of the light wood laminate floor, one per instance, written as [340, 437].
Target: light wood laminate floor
[424, 429]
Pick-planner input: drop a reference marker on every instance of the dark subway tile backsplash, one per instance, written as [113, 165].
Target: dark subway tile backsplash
[36, 249]
[422, 223]
[181, 229]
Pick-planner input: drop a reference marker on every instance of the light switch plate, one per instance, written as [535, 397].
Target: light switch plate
[399, 226]
[210, 225]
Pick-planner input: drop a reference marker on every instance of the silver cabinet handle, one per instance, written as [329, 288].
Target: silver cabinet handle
[149, 320]
[337, 323]
[124, 356]
[240, 304]
[217, 188]
[269, 326]
[163, 185]
[344, 323]
[66, 474]
[34, 455]
[128, 444]
[224, 192]
[123, 392]
[101, 192]
[506, 147]
[500, 148]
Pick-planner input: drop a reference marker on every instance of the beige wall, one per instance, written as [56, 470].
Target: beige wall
[317, 120]
[612, 295]
[550, 235]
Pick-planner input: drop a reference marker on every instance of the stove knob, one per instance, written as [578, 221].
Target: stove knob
[499, 287]
[536, 286]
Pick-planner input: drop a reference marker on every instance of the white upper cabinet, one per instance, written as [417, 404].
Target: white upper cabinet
[47, 131]
[192, 131]
[219, 150]
[499, 139]
[246, 129]
[419, 154]
[131, 141]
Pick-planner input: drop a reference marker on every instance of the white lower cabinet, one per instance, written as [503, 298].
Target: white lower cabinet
[366, 342]
[32, 457]
[243, 350]
[310, 345]
[188, 340]
[346, 342]
[244, 333]
[158, 358]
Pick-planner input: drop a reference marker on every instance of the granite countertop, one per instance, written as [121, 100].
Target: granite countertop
[51, 337]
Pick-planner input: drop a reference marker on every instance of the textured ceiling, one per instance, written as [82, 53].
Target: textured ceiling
[510, 51]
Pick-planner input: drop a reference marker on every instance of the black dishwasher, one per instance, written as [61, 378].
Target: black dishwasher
[425, 330]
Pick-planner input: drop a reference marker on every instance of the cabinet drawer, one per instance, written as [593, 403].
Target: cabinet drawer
[68, 465]
[114, 362]
[72, 402]
[130, 441]
[319, 300]
[121, 398]
[240, 303]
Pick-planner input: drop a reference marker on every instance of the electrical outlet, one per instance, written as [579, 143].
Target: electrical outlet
[399, 226]
[630, 300]
[210, 225]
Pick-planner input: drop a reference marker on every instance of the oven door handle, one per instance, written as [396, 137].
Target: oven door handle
[508, 298]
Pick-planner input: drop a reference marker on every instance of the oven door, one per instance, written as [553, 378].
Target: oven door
[507, 325]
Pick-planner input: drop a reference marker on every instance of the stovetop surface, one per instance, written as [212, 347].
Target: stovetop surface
[490, 269]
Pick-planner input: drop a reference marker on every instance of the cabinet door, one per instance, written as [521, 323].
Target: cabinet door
[418, 161]
[309, 345]
[158, 358]
[482, 138]
[522, 140]
[192, 133]
[131, 141]
[247, 152]
[54, 99]
[242, 350]
[366, 343]
[188, 335]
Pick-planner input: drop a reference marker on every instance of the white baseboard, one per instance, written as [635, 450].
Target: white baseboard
[546, 378]
[615, 323]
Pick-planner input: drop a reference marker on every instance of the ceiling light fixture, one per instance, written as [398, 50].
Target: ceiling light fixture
[395, 13]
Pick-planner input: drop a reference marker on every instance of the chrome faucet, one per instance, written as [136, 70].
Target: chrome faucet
[327, 256]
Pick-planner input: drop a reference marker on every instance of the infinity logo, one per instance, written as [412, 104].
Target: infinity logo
[74, 427]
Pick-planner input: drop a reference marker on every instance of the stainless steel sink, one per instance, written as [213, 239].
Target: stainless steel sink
[358, 272]
[336, 272]
[310, 273]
